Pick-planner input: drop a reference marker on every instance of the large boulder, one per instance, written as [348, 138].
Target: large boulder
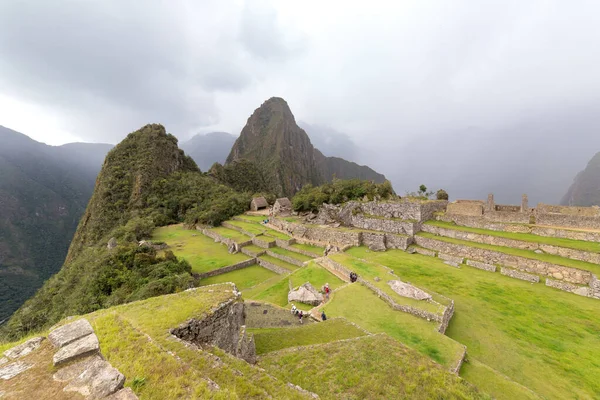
[66, 334]
[407, 290]
[306, 294]
[80, 348]
[97, 381]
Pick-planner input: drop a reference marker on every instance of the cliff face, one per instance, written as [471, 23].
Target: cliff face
[585, 189]
[273, 140]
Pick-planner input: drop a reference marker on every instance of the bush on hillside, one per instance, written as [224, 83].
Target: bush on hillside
[310, 198]
[242, 176]
[441, 195]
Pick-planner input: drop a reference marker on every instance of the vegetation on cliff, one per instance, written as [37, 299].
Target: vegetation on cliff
[339, 191]
[146, 181]
[285, 155]
[585, 190]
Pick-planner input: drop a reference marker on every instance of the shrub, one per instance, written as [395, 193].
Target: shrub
[441, 195]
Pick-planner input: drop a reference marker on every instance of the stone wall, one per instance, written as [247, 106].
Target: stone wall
[224, 328]
[393, 209]
[533, 266]
[249, 253]
[228, 268]
[397, 241]
[517, 244]
[524, 276]
[481, 265]
[465, 208]
[262, 243]
[270, 266]
[569, 210]
[222, 239]
[424, 251]
[283, 242]
[301, 251]
[293, 261]
[569, 287]
[571, 221]
[429, 208]
[228, 225]
[508, 208]
[385, 225]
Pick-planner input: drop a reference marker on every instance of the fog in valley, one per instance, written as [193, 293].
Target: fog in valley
[472, 97]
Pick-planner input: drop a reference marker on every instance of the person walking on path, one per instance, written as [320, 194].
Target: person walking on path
[323, 316]
[300, 316]
[327, 292]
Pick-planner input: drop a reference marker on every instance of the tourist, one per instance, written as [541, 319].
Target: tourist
[323, 316]
[327, 292]
[353, 277]
[300, 316]
[294, 309]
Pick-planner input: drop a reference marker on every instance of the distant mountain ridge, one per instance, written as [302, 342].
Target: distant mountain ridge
[585, 189]
[209, 148]
[273, 140]
[43, 193]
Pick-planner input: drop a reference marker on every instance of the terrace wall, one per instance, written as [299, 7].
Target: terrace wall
[568, 210]
[465, 208]
[228, 268]
[385, 225]
[270, 266]
[517, 244]
[285, 258]
[228, 225]
[227, 241]
[533, 266]
[571, 221]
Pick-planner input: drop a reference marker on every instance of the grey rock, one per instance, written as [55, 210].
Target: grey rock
[306, 294]
[69, 333]
[123, 394]
[99, 380]
[377, 246]
[538, 251]
[452, 264]
[85, 346]
[1, 393]
[14, 369]
[112, 243]
[72, 371]
[3, 360]
[377, 279]
[24, 348]
[411, 250]
[407, 290]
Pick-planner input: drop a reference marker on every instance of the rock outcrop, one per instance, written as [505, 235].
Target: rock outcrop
[407, 290]
[306, 294]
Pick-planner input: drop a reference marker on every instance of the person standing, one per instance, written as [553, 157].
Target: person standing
[327, 292]
[323, 316]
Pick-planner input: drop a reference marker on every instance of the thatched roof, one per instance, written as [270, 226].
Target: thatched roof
[284, 202]
[259, 202]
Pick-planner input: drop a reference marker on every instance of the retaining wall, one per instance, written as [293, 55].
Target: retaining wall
[237, 228]
[517, 244]
[569, 287]
[466, 208]
[228, 268]
[572, 221]
[300, 251]
[261, 243]
[481, 265]
[250, 254]
[524, 276]
[222, 239]
[285, 258]
[270, 266]
[533, 266]
[385, 225]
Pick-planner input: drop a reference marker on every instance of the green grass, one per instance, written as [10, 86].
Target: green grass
[253, 218]
[243, 278]
[276, 234]
[232, 234]
[369, 271]
[277, 293]
[291, 219]
[370, 367]
[361, 306]
[267, 239]
[135, 339]
[250, 227]
[542, 338]
[280, 263]
[309, 247]
[526, 237]
[254, 249]
[272, 339]
[291, 254]
[199, 250]
[264, 315]
[317, 276]
[550, 258]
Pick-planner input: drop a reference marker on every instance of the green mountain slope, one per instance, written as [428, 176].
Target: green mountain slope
[273, 140]
[585, 189]
[146, 181]
[43, 193]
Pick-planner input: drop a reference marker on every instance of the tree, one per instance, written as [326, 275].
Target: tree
[441, 195]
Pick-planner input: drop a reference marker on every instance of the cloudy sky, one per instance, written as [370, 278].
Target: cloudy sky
[442, 92]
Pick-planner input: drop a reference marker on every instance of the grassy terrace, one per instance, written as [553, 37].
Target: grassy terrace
[276, 234]
[316, 275]
[199, 250]
[232, 234]
[250, 227]
[278, 262]
[272, 339]
[367, 368]
[135, 339]
[244, 278]
[291, 254]
[358, 304]
[542, 338]
[253, 218]
[370, 271]
[550, 258]
[526, 237]
[309, 247]
[254, 249]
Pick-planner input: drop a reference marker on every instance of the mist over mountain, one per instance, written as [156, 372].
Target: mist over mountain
[43, 193]
[207, 149]
[585, 189]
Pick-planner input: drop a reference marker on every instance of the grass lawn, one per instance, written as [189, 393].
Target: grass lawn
[309, 247]
[543, 338]
[200, 251]
[251, 227]
[232, 234]
[267, 239]
[291, 254]
[280, 263]
[369, 271]
[271, 339]
[361, 306]
[253, 218]
[264, 315]
[526, 237]
[316, 275]
[276, 292]
[243, 278]
[276, 234]
[550, 258]
[370, 367]
[254, 249]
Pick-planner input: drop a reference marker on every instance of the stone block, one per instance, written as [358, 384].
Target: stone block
[73, 370]
[407, 290]
[306, 294]
[69, 333]
[513, 273]
[98, 381]
[452, 264]
[450, 258]
[24, 348]
[82, 347]
[123, 394]
[424, 252]
[3, 360]
[11, 370]
[480, 265]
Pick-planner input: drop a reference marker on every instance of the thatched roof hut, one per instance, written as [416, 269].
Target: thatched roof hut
[258, 203]
[283, 205]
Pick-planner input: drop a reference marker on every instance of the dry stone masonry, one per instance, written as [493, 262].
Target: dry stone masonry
[513, 273]
[306, 294]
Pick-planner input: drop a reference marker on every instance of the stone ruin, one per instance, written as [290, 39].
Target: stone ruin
[258, 203]
[407, 290]
[306, 294]
[282, 206]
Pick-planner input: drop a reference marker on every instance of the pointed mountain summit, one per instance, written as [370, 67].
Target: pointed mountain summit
[585, 189]
[283, 150]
